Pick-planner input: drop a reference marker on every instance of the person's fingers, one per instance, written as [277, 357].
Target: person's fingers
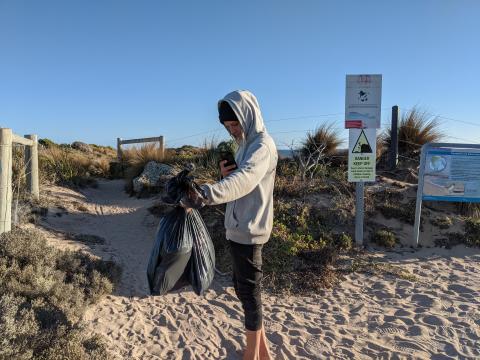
[230, 167]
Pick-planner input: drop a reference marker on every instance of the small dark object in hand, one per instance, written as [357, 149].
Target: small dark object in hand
[226, 155]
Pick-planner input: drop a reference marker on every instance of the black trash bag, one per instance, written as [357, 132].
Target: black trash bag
[202, 265]
[183, 249]
[171, 252]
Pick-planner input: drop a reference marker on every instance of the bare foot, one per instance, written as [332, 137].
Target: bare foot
[252, 352]
[264, 348]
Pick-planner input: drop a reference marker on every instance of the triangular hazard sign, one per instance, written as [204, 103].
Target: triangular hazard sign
[362, 145]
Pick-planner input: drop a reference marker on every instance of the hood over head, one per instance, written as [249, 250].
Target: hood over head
[245, 106]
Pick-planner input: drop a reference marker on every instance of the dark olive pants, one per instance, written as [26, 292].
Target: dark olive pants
[247, 278]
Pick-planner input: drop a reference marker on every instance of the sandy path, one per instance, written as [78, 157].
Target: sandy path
[437, 317]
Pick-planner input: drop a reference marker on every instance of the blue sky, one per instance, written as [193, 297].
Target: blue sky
[98, 70]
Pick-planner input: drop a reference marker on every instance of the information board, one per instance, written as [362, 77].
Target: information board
[363, 101]
[448, 172]
[452, 175]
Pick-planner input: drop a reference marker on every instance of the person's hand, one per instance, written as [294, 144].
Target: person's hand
[226, 170]
[183, 203]
[193, 199]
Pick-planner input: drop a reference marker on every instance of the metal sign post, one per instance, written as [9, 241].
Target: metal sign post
[448, 172]
[362, 116]
[359, 212]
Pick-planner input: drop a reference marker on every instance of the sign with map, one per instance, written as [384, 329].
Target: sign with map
[362, 155]
[452, 174]
[363, 101]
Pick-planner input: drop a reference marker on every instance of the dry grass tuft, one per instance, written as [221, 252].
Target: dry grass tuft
[62, 165]
[325, 137]
[416, 128]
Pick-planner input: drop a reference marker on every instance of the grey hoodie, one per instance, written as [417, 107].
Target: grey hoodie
[248, 191]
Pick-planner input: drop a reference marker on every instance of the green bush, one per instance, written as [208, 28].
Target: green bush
[46, 143]
[402, 212]
[385, 238]
[344, 241]
[302, 249]
[44, 294]
[443, 222]
[472, 231]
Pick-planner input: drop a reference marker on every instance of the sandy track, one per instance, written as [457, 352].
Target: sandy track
[437, 317]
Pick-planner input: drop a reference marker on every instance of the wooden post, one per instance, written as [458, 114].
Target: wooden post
[119, 149]
[393, 158]
[5, 180]
[162, 147]
[31, 159]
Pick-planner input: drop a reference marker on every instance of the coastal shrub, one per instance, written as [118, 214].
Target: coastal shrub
[343, 241]
[472, 231]
[44, 295]
[46, 143]
[302, 249]
[384, 238]
[443, 222]
[400, 211]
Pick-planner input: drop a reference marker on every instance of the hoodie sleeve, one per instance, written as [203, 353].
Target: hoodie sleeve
[243, 180]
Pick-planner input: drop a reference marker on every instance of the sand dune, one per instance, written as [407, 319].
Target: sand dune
[366, 317]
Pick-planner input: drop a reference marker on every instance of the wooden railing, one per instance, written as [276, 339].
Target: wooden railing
[7, 139]
[121, 142]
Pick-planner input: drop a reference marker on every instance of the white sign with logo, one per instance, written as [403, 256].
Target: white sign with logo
[363, 101]
[362, 155]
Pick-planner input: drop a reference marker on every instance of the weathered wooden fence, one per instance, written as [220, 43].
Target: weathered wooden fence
[121, 142]
[7, 139]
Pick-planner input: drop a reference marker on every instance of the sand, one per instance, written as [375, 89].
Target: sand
[366, 316]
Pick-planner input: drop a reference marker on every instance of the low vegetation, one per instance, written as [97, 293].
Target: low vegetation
[472, 231]
[442, 222]
[44, 293]
[385, 238]
[64, 164]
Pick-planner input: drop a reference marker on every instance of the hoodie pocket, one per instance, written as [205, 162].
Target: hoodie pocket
[231, 221]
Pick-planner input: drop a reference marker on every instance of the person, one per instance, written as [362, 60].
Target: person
[247, 189]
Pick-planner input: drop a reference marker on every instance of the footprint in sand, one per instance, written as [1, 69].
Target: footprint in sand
[272, 326]
[194, 328]
[388, 330]
[220, 325]
[314, 346]
[417, 349]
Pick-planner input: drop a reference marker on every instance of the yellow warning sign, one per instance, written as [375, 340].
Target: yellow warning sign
[362, 146]
[361, 157]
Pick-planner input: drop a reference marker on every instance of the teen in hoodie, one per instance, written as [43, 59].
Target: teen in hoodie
[248, 192]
